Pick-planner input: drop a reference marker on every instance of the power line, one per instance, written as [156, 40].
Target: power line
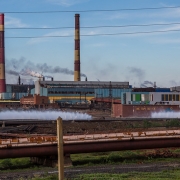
[106, 34]
[96, 10]
[86, 27]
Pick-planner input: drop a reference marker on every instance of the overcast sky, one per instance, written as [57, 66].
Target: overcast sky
[126, 55]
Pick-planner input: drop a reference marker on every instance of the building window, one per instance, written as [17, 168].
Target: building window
[170, 97]
[177, 97]
[173, 98]
[166, 97]
[162, 97]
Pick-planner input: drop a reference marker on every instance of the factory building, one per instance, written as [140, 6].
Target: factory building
[152, 98]
[37, 101]
[79, 91]
[16, 91]
[124, 110]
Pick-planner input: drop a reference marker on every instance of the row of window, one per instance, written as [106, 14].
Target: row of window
[69, 92]
[170, 97]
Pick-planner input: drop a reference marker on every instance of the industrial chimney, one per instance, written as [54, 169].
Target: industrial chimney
[155, 85]
[2, 58]
[77, 76]
[19, 80]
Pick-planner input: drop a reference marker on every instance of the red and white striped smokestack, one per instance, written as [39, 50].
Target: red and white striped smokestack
[2, 56]
[77, 70]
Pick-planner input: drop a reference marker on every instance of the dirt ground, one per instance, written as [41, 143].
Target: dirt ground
[90, 127]
[73, 172]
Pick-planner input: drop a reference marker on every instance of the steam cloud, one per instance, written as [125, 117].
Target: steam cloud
[23, 67]
[43, 115]
[166, 115]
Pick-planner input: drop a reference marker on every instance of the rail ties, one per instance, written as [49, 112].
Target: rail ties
[29, 128]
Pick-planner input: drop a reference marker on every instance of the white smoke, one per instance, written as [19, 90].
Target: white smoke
[166, 115]
[43, 115]
[31, 73]
[25, 72]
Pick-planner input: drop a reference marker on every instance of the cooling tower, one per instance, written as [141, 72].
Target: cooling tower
[77, 76]
[2, 58]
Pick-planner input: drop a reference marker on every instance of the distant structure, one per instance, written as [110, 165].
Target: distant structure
[2, 56]
[77, 76]
[19, 80]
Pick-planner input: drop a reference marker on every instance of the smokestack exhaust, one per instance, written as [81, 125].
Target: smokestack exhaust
[77, 72]
[2, 56]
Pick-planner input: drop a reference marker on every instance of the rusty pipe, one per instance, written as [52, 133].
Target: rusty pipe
[47, 150]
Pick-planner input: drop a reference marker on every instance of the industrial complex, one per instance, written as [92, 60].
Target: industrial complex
[90, 94]
[119, 115]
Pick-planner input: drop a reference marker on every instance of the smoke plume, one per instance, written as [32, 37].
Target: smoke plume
[137, 73]
[23, 67]
[13, 72]
[49, 69]
[166, 115]
[25, 72]
[147, 84]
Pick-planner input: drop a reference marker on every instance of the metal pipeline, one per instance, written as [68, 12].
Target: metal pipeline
[88, 147]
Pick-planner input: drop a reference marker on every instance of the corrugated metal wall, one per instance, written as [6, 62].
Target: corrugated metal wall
[15, 96]
[116, 93]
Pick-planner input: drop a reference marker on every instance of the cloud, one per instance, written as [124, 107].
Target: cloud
[44, 38]
[15, 22]
[67, 2]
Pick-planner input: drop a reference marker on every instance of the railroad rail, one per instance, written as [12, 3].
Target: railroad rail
[43, 145]
[40, 121]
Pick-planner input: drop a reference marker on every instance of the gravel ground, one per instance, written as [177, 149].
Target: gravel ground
[71, 173]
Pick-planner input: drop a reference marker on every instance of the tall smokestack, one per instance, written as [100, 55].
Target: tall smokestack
[2, 59]
[19, 80]
[77, 76]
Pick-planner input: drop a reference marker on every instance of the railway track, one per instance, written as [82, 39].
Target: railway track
[39, 121]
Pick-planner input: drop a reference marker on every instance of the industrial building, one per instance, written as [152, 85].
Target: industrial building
[15, 91]
[151, 98]
[79, 91]
[136, 111]
[37, 101]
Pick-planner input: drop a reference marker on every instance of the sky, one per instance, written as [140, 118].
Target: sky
[126, 54]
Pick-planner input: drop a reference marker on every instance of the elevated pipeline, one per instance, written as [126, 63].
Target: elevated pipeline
[47, 145]
[88, 147]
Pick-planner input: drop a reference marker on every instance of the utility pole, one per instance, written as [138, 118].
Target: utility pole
[60, 149]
